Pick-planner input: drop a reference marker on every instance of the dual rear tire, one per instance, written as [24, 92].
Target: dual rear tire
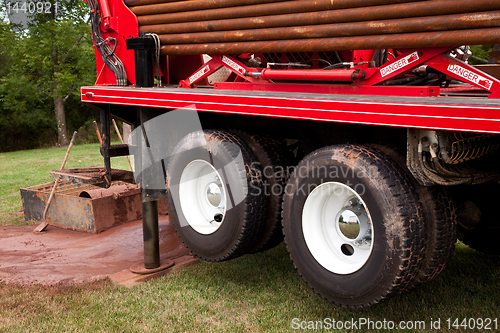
[225, 194]
[376, 261]
[352, 219]
[215, 197]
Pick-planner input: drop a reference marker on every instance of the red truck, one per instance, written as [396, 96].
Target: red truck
[355, 130]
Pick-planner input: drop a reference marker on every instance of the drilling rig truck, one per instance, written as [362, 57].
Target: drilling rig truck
[355, 130]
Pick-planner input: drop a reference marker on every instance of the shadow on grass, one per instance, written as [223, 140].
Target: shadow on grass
[468, 288]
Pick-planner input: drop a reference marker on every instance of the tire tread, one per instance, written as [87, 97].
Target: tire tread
[409, 210]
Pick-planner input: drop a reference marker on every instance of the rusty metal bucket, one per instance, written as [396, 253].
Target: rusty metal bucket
[85, 207]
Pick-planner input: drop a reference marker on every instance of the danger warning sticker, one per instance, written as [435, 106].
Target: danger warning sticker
[401, 63]
[193, 78]
[470, 76]
[233, 65]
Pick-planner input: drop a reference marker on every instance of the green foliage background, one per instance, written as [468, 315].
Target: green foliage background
[481, 52]
[53, 57]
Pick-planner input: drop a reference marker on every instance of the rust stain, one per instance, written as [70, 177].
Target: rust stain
[84, 207]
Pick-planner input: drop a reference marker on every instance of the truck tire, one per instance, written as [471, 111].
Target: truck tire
[439, 219]
[383, 254]
[215, 196]
[440, 233]
[270, 157]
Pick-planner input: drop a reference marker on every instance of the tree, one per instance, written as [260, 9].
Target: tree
[53, 58]
[6, 37]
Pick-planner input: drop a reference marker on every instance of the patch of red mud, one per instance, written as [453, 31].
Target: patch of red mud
[65, 257]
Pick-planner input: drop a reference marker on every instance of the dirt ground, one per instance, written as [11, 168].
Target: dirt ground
[59, 256]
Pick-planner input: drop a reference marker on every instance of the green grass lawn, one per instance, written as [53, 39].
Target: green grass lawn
[255, 293]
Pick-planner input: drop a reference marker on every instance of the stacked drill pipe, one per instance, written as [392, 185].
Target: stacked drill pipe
[264, 26]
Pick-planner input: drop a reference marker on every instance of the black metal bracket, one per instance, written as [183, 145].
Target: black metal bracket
[106, 141]
[143, 47]
[116, 151]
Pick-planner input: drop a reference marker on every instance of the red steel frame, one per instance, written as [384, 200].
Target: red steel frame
[120, 23]
[474, 115]
[364, 80]
[319, 102]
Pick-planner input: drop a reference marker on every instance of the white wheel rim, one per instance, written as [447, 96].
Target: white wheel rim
[202, 197]
[323, 233]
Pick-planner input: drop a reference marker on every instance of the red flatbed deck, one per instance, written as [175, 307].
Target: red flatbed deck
[469, 114]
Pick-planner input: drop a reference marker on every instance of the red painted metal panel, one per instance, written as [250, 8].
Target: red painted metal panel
[332, 89]
[404, 112]
[122, 24]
